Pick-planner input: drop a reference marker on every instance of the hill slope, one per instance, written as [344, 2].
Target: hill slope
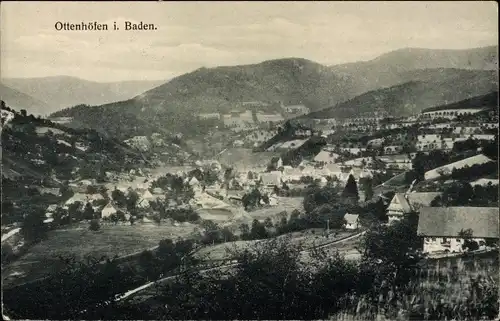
[427, 88]
[36, 148]
[64, 91]
[290, 81]
[484, 101]
[389, 69]
[172, 105]
[19, 100]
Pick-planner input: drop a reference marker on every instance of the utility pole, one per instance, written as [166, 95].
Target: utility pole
[327, 228]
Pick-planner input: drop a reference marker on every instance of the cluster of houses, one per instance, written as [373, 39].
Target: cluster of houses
[444, 228]
[449, 113]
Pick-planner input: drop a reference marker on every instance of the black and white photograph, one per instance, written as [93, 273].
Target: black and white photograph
[249, 160]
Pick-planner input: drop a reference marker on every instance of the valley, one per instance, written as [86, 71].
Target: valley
[228, 179]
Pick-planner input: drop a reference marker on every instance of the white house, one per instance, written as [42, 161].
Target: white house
[147, 195]
[441, 227]
[271, 179]
[108, 210]
[157, 190]
[402, 204]
[352, 221]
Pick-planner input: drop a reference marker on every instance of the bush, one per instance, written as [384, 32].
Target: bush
[94, 225]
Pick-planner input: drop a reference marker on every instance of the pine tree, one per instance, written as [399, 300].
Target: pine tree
[351, 189]
[368, 190]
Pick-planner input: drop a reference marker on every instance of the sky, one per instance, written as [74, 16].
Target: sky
[192, 35]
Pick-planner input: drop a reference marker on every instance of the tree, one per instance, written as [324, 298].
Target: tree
[91, 189]
[94, 225]
[265, 199]
[103, 191]
[119, 197]
[114, 218]
[258, 230]
[88, 212]
[157, 219]
[268, 222]
[74, 211]
[132, 199]
[351, 190]
[245, 231]
[366, 184]
[394, 249]
[65, 191]
[469, 243]
[33, 228]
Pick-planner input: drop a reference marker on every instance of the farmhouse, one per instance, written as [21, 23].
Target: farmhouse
[447, 169]
[442, 227]
[352, 221]
[108, 210]
[296, 109]
[265, 118]
[77, 197]
[209, 116]
[271, 179]
[402, 204]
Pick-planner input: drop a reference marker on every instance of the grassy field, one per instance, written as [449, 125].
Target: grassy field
[307, 239]
[450, 288]
[287, 204]
[79, 241]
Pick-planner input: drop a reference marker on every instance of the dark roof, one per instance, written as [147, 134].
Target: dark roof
[449, 221]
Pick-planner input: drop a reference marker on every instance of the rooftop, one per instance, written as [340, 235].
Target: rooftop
[449, 221]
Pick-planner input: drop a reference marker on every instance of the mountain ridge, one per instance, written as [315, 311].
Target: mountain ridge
[65, 91]
[433, 88]
[20, 100]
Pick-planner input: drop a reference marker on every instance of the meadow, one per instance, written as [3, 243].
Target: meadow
[463, 288]
[110, 240]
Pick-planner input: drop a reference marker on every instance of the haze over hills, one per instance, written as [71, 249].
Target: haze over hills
[19, 100]
[390, 69]
[429, 88]
[63, 91]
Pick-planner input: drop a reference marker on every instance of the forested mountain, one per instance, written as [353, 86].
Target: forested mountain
[354, 88]
[433, 87]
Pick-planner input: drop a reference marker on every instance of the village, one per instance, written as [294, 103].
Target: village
[242, 183]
